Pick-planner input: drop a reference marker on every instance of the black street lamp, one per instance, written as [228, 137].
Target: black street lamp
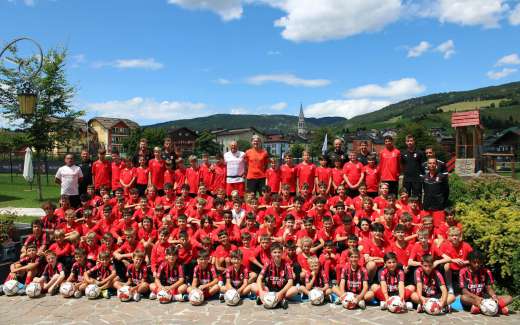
[27, 94]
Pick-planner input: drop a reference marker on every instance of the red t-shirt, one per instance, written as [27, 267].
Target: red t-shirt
[288, 176]
[116, 174]
[219, 177]
[256, 163]
[403, 253]
[389, 164]
[101, 173]
[273, 179]
[157, 168]
[456, 252]
[323, 174]
[337, 176]
[371, 178]
[193, 179]
[127, 174]
[353, 171]
[306, 173]
[142, 175]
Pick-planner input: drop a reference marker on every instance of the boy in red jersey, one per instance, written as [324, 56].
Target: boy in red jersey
[288, 174]
[156, 168]
[476, 282]
[50, 221]
[303, 257]
[422, 247]
[430, 284]
[62, 249]
[101, 170]
[141, 176]
[103, 274]
[337, 175]
[205, 276]
[402, 249]
[353, 174]
[305, 171]
[193, 175]
[237, 276]
[276, 276]
[441, 231]
[124, 254]
[38, 237]
[53, 274]
[180, 175]
[136, 275]
[342, 233]
[354, 278]
[454, 255]
[219, 175]
[372, 176]
[80, 266]
[318, 278]
[169, 277]
[116, 167]
[374, 250]
[221, 253]
[159, 249]
[169, 172]
[308, 231]
[287, 232]
[391, 283]
[323, 175]
[272, 176]
[27, 267]
[390, 164]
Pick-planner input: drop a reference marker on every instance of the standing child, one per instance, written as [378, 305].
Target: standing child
[323, 174]
[272, 179]
[306, 172]
[193, 177]
[353, 174]
[372, 176]
[337, 175]
[127, 177]
[156, 168]
[141, 176]
[288, 174]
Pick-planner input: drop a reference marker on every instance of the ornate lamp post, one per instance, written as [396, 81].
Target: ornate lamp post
[27, 95]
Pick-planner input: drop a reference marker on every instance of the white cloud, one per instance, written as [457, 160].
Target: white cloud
[279, 106]
[487, 13]
[288, 79]
[514, 17]
[226, 9]
[223, 81]
[347, 108]
[312, 20]
[148, 110]
[495, 75]
[146, 64]
[238, 111]
[418, 50]
[447, 49]
[395, 89]
[511, 59]
[77, 60]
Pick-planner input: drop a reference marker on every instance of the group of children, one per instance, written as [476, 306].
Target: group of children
[290, 240]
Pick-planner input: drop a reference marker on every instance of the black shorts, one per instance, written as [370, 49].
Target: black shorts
[297, 269]
[255, 185]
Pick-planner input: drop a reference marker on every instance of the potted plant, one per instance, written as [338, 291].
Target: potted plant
[8, 244]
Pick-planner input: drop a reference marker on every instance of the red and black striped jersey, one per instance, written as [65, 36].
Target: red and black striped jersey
[137, 274]
[168, 275]
[475, 282]
[205, 275]
[78, 270]
[431, 283]
[237, 276]
[392, 279]
[354, 278]
[276, 276]
[101, 272]
[321, 278]
[50, 270]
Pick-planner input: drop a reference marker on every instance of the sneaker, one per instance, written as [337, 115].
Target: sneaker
[284, 304]
[382, 305]
[258, 300]
[137, 296]
[152, 296]
[409, 305]
[362, 304]
[446, 309]
[420, 308]
[504, 311]
[105, 294]
[77, 294]
[221, 298]
[475, 310]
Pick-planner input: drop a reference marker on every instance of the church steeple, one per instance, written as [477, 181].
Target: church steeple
[302, 131]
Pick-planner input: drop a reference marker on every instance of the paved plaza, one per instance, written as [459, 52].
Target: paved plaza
[57, 310]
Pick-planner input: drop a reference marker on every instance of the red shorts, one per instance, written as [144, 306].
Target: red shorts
[381, 297]
[439, 217]
[240, 187]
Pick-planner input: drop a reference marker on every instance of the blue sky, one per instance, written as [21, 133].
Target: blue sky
[161, 60]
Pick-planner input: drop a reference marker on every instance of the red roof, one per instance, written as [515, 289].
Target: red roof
[467, 118]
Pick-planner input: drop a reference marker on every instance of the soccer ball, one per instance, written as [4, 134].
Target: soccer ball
[196, 297]
[67, 289]
[33, 290]
[123, 293]
[489, 307]
[316, 297]
[270, 300]
[232, 297]
[11, 287]
[348, 300]
[395, 305]
[433, 306]
[92, 291]
[164, 297]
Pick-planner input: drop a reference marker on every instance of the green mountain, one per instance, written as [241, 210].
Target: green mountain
[265, 123]
[500, 109]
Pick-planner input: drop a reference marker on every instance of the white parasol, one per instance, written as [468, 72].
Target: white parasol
[28, 171]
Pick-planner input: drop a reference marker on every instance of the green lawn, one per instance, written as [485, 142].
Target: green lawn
[18, 193]
[467, 106]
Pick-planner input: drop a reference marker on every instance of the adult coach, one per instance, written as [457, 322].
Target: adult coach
[337, 153]
[69, 177]
[235, 169]
[257, 159]
[412, 161]
[436, 192]
[86, 169]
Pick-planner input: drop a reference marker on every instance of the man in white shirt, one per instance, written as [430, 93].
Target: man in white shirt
[68, 177]
[235, 169]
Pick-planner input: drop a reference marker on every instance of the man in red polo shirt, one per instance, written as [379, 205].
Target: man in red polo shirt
[256, 160]
[389, 164]
[101, 170]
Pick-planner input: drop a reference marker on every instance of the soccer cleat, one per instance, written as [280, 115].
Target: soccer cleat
[504, 311]
[409, 305]
[152, 296]
[105, 294]
[77, 294]
[137, 296]
[475, 310]
[221, 298]
[382, 305]
[258, 300]
[284, 304]
[420, 308]
[362, 304]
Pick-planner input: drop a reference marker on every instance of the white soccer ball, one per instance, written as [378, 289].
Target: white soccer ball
[395, 305]
[433, 306]
[67, 289]
[11, 287]
[232, 297]
[92, 291]
[33, 290]
[196, 297]
[316, 297]
[164, 297]
[123, 294]
[348, 300]
[489, 307]
[269, 300]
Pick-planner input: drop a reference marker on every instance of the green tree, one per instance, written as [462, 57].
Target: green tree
[53, 119]
[296, 150]
[155, 137]
[422, 139]
[316, 141]
[206, 143]
[243, 145]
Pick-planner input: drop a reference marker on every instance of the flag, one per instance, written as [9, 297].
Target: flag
[324, 147]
